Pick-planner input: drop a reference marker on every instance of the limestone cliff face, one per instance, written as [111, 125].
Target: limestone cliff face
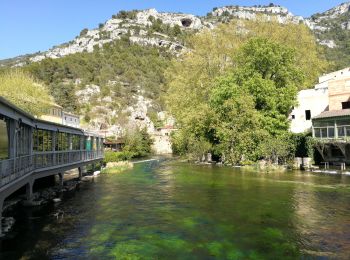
[138, 28]
[322, 24]
[242, 12]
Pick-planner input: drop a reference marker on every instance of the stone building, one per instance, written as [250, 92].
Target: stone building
[331, 93]
[331, 128]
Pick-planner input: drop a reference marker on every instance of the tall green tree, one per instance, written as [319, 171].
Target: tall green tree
[235, 88]
[138, 143]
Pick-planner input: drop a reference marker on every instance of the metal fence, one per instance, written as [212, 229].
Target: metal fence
[13, 169]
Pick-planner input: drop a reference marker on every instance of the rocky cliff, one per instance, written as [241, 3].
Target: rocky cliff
[150, 27]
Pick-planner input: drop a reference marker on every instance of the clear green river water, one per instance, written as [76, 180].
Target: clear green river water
[173, 210]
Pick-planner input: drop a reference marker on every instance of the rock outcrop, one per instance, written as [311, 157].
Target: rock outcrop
[136, 29]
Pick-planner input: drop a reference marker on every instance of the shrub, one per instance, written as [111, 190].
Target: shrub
[83, 32]
[111, 156]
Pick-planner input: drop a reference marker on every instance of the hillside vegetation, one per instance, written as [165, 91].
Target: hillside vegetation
[28, 94]
[340, 55]
[119, 68]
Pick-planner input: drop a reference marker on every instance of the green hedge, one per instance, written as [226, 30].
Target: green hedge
[111, 156]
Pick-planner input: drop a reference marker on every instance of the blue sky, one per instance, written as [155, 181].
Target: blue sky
[27, 26]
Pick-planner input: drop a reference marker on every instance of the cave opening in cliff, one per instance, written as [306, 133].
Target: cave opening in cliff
[186, 22]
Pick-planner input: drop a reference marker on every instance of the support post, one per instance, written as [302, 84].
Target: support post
[342, 167]
[54, 140]
[1, 207]
[61, 177]
[335, 130]
[29, 191]
[80, 173]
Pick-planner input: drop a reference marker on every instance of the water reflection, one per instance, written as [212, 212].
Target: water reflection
[179, 211]
[322, 216]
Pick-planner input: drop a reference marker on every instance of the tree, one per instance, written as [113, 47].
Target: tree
[237, 84]
[238, 126]
[138, 143]
[269, 72]
[25, 92]
[64, 95]
[83, 32]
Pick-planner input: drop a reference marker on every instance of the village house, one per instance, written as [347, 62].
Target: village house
[70, 120]
[312, 102]
[332, 127]
[53, 114]
[56, 114]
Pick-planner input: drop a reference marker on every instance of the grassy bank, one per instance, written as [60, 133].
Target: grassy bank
[117, 167]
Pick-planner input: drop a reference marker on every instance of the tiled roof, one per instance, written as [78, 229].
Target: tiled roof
[333, 113]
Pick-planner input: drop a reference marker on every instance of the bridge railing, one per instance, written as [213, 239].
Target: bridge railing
[13, 169]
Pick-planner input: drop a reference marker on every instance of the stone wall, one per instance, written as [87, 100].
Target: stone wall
[339, 91]
[162, 144]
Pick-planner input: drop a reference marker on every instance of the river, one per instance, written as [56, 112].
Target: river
[174, 210]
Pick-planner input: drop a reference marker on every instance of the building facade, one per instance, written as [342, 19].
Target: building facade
[331, 128]
[331, 93]
[70, 119]
[55, 114]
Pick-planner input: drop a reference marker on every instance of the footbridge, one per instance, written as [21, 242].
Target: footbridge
[31, 149]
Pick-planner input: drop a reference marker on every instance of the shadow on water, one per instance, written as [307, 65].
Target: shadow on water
[162, 209]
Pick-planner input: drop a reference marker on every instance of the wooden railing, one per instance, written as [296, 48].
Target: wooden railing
[13, 169]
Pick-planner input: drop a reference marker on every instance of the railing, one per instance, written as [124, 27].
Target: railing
[331, 132]
[13, 169]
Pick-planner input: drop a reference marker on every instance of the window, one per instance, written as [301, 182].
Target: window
[4, 140]
[345, 105]
[341, 132]
[308, 114]
[317, 132]
[293, 116]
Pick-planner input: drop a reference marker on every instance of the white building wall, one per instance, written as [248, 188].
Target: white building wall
[316, 100]
[70, 120]
[335, 75]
